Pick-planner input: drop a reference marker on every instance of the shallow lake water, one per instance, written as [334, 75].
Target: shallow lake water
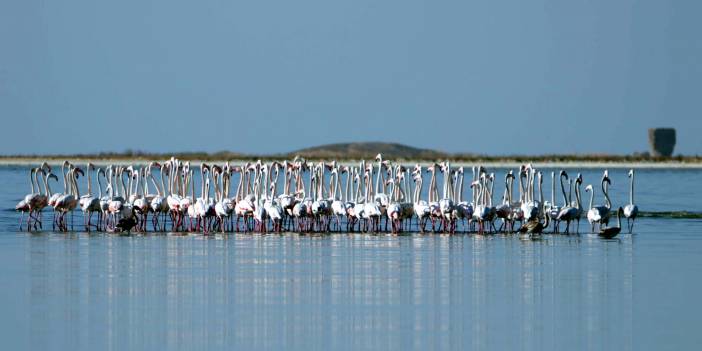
[87, 291]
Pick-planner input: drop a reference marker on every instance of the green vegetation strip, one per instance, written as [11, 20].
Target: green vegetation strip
[669, 214]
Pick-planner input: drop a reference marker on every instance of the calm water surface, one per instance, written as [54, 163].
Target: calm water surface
[93, 291]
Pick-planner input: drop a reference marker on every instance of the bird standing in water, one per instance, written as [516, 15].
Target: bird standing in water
[631, 210]
[611, 232]
[125, 224]
[534, 228]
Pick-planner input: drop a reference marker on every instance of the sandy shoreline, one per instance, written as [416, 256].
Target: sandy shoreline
[493, 164]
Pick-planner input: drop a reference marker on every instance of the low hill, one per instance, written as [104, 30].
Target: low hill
[368, 150]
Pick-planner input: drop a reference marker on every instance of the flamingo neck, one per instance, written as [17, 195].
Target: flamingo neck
[31, 179]
[65, 179]
[75, 185]
[90, 187]
[48, 187]
[36, 178]
[192, 187]
[577, 195]
[565, 199]
[606, 195]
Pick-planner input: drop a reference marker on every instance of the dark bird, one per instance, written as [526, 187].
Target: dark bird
[534, 226]
[126, 224]
[611, 232]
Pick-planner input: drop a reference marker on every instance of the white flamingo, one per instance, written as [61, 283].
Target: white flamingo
[446, 204]
[88, 202]
[482, 211]
[599, 214]
[273, 209]
[552, 209]
[338, 206]
[68, 202]
[371, 209]
[631, 211]
[394, 211]
[569, 212]
[42, 201]
[504, 210]
[23, 206]
[421, 207]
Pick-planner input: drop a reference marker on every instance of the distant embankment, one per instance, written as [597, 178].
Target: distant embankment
[356, 151]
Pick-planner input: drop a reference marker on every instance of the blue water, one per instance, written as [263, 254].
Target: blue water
[84, 291]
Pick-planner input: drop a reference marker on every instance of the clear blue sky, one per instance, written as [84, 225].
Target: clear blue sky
[487, 76]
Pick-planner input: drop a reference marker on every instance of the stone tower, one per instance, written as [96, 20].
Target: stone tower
[662, 141]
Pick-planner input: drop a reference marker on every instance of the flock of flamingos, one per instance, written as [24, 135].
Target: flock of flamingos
[316, 197]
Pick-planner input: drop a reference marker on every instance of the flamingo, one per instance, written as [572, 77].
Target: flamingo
[38, 201]
[482, 211]
[394, 211]
[348, 198]
[272, 208]
[23, 206]
[321, 206]
[504, 210]
[68, 202]
[631, 210]
[183, 179]
[492, 212]
[552, 209]
[338, 204]
[599, 214]
[223, 204]
[404, 210]
[446, 204]
[104, 199]
[568, 213]
[173, 198]
[157, 204]
[41, 201]
[244, 206]
[55, 196]
[127, 210]
[287, 200]
[578, 202]
[259, 213]
[406, 205]
[611, 232]
[371, 210]
[421, 207]
[199, 211]
[141, 203]
[89, 203]
[359, 204]
[381, 198]
[434, 207]
[116, 203]
[530, 207]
